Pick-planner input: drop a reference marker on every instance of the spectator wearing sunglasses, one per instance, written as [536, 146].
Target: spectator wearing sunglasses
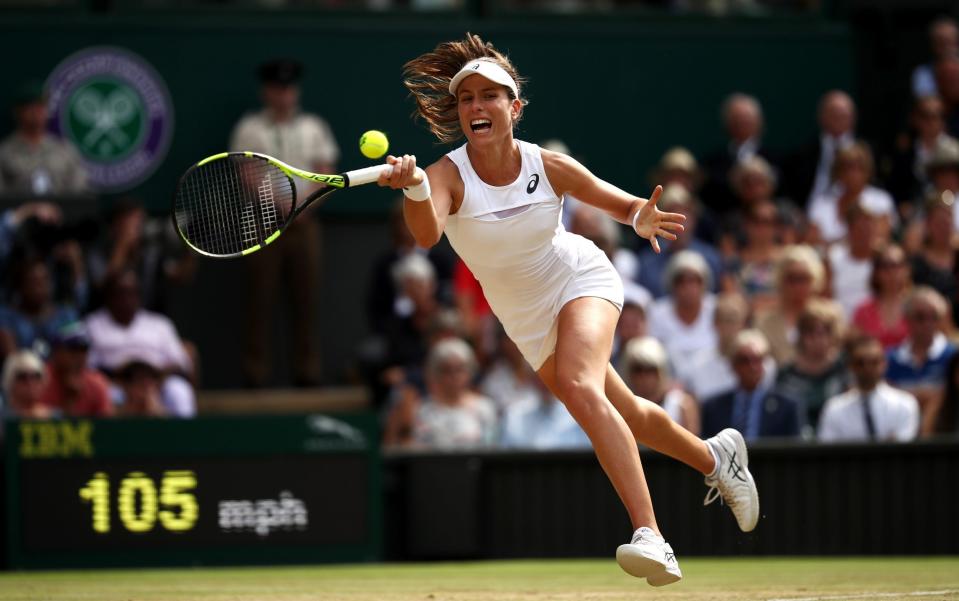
[23, 381]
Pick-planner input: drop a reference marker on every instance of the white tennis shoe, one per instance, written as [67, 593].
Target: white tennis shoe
[732, 480]
[649, 556]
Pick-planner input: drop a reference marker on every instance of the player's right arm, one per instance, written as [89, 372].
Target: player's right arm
[425, 219]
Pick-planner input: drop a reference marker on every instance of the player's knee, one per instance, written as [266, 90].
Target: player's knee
[582, 398]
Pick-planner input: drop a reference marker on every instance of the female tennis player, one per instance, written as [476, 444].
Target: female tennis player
[558, 297]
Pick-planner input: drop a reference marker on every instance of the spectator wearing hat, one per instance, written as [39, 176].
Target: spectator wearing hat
[123, 331]
[909, 174]
[935, 263]
[652, 265]
[742, 117]
[918, 365]
[683, 320]
[645, 368]
[810, 167]
[72, 387]
[24, 379]
[282, 130]
[33, 163]
[851, 173]
[753, 407]
[943, 172]
[632, 321]
[943, 42]
[678, 166]
[871, 410]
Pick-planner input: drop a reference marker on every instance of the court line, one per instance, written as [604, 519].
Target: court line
[869, 596]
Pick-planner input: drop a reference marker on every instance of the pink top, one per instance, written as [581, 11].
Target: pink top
[868, 320]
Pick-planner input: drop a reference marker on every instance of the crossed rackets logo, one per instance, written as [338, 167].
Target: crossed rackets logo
[105, 119]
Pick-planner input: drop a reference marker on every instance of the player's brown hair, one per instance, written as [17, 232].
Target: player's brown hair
[428, 76]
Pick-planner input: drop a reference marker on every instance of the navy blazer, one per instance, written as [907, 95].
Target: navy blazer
[780, 415]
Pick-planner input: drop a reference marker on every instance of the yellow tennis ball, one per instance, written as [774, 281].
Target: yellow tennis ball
[374, 144]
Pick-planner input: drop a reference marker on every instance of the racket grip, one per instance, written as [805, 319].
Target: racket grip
[367, 175]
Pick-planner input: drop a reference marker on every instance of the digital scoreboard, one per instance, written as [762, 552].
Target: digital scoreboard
[204, 491]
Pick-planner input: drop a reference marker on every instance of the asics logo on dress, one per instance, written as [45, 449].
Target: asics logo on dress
[533, 182]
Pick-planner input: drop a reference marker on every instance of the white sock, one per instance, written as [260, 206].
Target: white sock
[715, 458]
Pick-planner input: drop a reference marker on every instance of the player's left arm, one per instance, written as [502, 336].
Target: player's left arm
[568, 176]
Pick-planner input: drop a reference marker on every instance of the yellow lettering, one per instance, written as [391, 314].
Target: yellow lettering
[76, 439]
[137, 484]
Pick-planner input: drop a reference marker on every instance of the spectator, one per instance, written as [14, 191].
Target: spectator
[918, 365]
[678, 166]
[33, 163]
[947, 83]
[510, 379]
[883, 315]
[852, 170]
[872, 409]
[909, 178]
[942, 170]
[141, 384]
[645, 366]
[811, 166]
[23, 382]
[632, 319]
[751, 271]
[800, 276]
[942, 417]
[34, 318]
[451, 415]
[850, 260]
[303, 139]
[753, 407]
[943, 42]
[123, 332]
[134, 241]
[653, 265]
[683, 321]
[742, 117]
[935, 263]
[541, 423]
[709, 372]
[818, 373]
[11, 220]
[73, 388]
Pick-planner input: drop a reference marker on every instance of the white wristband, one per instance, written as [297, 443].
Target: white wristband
[635, 219]
[420, 191]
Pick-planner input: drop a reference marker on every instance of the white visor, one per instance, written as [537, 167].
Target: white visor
[488, 69]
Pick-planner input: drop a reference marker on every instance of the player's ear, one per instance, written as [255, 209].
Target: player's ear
[516, 108]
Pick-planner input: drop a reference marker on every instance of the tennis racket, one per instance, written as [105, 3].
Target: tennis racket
[234, 203]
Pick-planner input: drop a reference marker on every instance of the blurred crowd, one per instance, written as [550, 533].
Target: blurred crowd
[812, 296]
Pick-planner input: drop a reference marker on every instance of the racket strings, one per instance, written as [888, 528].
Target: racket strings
[233, 204]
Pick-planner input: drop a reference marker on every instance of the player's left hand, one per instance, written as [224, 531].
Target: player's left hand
[651, 223]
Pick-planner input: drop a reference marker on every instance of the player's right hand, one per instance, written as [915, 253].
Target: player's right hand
[404, 174]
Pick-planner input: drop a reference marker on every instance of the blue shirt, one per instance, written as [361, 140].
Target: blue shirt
[903, 373]
[652, 266]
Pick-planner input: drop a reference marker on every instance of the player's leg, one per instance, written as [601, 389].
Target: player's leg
[652, 427]
[576, 374]
[723, 459]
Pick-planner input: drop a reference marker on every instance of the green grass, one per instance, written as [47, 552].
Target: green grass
[589, 580]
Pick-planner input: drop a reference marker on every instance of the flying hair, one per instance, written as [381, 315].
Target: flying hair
[428, 76]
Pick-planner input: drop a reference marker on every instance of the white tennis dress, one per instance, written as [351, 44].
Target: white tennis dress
[529, 266]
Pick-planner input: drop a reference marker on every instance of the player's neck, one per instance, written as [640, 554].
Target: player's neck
[497, 164]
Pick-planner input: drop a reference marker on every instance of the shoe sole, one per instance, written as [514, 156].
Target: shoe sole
[634, 563]
[740, 444]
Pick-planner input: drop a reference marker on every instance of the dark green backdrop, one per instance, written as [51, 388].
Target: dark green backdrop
[617, 91]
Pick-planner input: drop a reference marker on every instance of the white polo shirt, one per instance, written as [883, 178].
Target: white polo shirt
[303, 141]
[895, 415]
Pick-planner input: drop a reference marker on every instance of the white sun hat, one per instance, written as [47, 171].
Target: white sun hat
[489, 69]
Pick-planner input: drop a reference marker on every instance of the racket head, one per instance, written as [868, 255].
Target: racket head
[234, 203]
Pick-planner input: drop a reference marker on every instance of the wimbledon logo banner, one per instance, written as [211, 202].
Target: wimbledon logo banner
[116, 110]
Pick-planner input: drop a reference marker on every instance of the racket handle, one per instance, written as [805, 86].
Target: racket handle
[367, 175]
